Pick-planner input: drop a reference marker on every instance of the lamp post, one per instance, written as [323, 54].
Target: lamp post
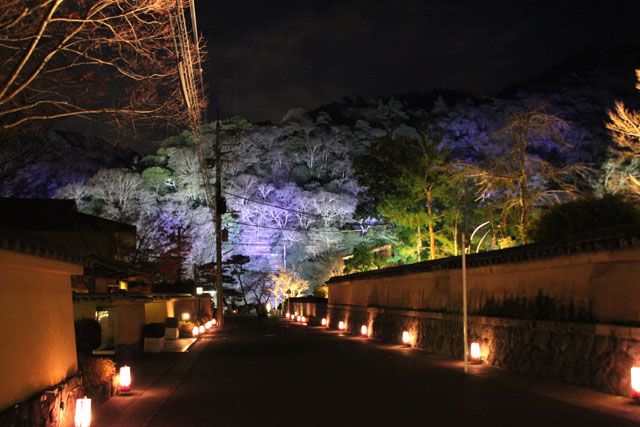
[464, 301]
[288, 300]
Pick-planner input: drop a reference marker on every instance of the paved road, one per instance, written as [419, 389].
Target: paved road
[279, 374]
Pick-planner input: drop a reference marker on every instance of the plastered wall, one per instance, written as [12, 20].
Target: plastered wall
[37, 333]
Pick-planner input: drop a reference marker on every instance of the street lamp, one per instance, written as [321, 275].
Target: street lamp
[288, 300]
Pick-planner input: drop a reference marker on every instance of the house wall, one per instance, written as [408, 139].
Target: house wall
[157, 311]
[37, 333]
[601, 287]
[130, 324]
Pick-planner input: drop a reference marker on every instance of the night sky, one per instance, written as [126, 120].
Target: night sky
[266, 57]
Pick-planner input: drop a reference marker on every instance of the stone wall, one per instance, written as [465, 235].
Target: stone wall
[53, 407]
[593, 355]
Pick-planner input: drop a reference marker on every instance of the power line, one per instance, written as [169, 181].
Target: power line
[300, 230]
[274, 206]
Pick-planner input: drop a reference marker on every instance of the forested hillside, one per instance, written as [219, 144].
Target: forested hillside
[394, 180]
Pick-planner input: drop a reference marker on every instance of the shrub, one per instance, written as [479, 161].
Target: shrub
[154, 330]
[170, 322]
[97, 371]
[584, 215]
[88, 336]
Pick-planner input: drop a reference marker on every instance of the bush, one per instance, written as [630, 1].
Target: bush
[88, 336]
[170, 322]
[97, 371]
[584, 215]
[154, 330]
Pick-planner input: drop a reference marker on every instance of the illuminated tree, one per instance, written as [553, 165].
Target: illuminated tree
[287, 284]
[512, 173]
[625, 130]
[64, 58]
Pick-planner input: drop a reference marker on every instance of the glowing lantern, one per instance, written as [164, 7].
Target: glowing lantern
[295, 314]
[199, 290]
[303, 319]
[83, 412]
[201, 329]
[341, 325]
[363, 330]
[125, 379]
[635, 382]
[215, 322]
[287, 315]
[406, 338]
[208, 325]
[186, 316]
[475, 352]
[268, 307]
[324, 321]
[298, 318]
[195, 331]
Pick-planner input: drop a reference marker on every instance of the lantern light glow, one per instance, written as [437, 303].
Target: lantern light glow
[288, 315]
[186, 316]
[341, 325]
[363, 330]
[215, 322]
[406, 338]
[83, 412]
[125, 379]
[476, 356]
[324, 321]
[195, 331]
[201, 329]
[635, 382]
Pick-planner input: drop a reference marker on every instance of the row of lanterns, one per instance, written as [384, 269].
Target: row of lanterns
[476, 355]
[83, 406]
[197, 330]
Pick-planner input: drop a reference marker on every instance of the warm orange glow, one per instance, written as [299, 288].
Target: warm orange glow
[341, 325]
[475, 352]
[324, 321]
[303, 319]
[83, 412]
[635, 382]
[215, 322]
[298, 318]
[288, 315]
[406, 338]
[295, 314]
[125, 378]
[208, 325]
[363, 330]
[195, 331]
[186, 316]
[123, 285]
[199, 290]
[201, 329]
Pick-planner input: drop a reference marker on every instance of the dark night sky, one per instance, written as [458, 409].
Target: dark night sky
[266, 57]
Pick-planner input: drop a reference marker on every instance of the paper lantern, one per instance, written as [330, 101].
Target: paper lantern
[363, 330]
[268, 307]
[324, 321]
[287, 315]
[186, 316]
[341, 325]
[635, 382]
[83, 412]
[298, 318]
[476, 356]
[201, 329]
[303, 320]
[125, 379]
[208, 325]
[215, 322]
[199, 290]
[195, 331]
[406, 338]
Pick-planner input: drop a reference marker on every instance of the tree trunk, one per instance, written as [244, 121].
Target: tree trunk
[432, 236]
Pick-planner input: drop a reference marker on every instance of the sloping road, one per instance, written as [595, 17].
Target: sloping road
[281, 374]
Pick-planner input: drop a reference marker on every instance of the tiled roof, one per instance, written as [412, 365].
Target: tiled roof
[23, 243]
[606, 239]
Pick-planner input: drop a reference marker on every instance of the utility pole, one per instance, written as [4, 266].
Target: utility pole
[219, 208]
[464, 300]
